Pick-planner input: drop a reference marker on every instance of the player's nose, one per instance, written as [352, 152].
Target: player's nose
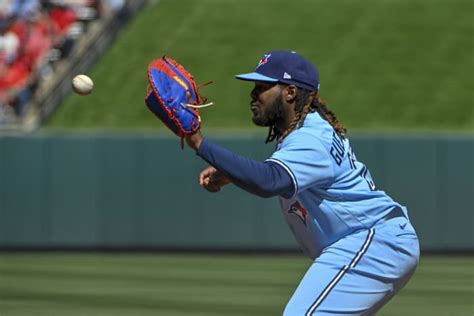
[254, 94]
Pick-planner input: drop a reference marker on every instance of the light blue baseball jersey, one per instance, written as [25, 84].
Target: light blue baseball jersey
[334, 193]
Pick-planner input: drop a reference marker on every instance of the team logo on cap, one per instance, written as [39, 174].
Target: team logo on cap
[297, 209]
[264, 60]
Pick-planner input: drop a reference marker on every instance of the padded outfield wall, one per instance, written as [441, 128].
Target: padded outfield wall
[141, 191]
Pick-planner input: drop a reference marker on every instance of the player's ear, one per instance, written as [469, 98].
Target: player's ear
[289, 93]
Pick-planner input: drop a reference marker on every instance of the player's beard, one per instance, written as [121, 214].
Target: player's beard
[274, 113]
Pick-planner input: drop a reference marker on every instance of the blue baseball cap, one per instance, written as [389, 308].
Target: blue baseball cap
[285, 67]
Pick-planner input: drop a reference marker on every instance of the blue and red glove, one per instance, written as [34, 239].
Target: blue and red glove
[174, 97]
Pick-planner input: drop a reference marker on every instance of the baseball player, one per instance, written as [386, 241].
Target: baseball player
[361, 243]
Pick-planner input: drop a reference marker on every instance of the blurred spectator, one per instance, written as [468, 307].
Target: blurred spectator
[22, 9]
[5, 12]
[9, 45]
[36, 37]
[33, 35]
[113, 5]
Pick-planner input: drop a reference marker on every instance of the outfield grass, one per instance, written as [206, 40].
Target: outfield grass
[385, 65]
[198, 285]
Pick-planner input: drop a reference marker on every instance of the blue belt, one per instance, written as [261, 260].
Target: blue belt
[396, 212]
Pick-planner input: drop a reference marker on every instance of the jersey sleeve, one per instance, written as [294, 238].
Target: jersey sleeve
[306, 160]
[265, 179]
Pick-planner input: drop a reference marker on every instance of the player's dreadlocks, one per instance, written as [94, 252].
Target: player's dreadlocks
[307, 101]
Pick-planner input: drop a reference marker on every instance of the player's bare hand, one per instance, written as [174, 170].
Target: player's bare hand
[212, 180]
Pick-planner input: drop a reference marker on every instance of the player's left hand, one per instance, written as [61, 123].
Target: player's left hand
[194, 140]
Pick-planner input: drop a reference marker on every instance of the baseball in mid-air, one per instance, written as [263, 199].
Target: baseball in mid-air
[82, 84]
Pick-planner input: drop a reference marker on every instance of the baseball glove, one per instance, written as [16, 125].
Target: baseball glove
[173, 96]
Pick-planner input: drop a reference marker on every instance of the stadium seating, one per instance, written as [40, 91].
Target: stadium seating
[34, 35]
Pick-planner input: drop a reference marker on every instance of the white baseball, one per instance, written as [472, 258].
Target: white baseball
[82, 84]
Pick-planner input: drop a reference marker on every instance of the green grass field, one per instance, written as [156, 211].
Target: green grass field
[392, 65]
[199, 285]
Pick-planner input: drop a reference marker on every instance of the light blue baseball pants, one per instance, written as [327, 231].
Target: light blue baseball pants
[360, 273]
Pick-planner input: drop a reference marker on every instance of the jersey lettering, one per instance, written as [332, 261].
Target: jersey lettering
[364, 173]
[337, 149]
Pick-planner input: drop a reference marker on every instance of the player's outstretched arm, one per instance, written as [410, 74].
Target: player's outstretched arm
[210, 178]
[265, 179]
